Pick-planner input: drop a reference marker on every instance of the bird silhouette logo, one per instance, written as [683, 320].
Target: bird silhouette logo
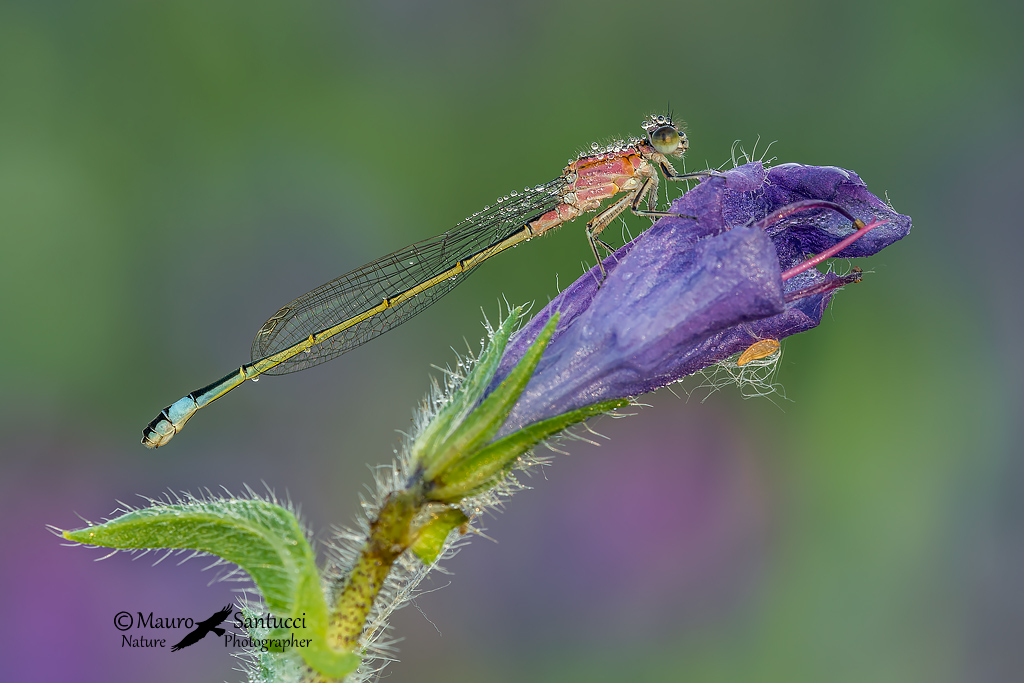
[204, 627]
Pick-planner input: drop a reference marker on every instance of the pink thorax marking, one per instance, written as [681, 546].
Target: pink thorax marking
[592, 179]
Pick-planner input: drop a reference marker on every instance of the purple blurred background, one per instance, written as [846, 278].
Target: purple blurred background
[170, 175]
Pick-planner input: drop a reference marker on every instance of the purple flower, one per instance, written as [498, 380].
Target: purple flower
[689, 293]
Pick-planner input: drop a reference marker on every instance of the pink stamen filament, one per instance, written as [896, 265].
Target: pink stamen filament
[797, 207]
[831, 251]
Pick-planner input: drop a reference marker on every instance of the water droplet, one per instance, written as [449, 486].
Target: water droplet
[539, 188]
[256, 379]
[514, 193]
[594, 146]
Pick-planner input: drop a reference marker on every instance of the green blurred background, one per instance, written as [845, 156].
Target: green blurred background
[172, 173]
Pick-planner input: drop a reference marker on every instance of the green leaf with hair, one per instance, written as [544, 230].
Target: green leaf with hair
[264, 539]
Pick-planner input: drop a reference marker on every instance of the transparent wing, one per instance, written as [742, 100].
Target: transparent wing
[353, 293]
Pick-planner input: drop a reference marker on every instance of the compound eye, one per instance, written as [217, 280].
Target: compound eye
[665, 139]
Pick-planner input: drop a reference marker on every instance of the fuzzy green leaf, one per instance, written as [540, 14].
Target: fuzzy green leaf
[486, 419]
[487, 466]
[468, 393]
[432, 535]
[264, 539]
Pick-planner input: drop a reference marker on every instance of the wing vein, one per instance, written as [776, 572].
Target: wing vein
[370, 285]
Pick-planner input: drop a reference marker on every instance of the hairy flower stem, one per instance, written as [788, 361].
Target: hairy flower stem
[390, 535]
[456, 458]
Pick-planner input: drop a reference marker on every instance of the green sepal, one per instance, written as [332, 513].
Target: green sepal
[425, 449]
[264, 539]
[432, 535]
[486, 419]
[489, 465]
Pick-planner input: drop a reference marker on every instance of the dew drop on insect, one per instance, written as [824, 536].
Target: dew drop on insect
[255, 379]
[539, 188]
[514, 193]
[594, 146]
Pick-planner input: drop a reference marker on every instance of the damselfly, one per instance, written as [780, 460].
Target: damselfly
[359, 306]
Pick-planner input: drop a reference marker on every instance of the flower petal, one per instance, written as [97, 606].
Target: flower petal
[690, 292]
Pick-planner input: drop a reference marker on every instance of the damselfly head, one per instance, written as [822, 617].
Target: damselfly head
[664, 136]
